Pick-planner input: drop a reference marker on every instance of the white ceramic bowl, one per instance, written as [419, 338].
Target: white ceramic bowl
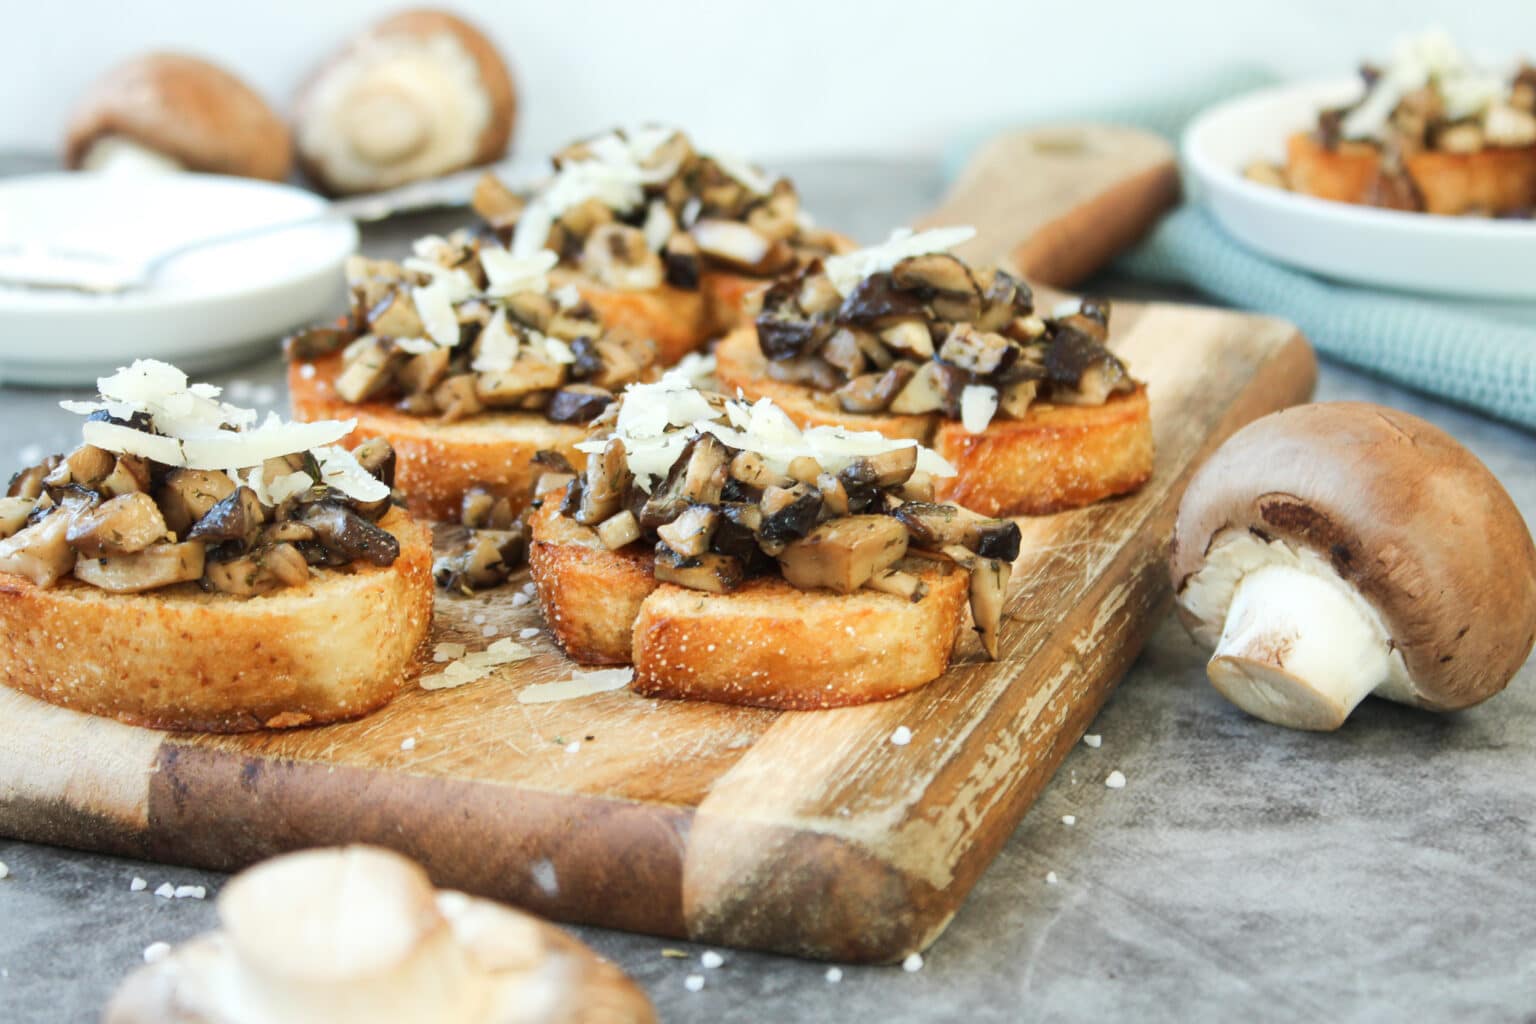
[208, 308]
[1466, 257]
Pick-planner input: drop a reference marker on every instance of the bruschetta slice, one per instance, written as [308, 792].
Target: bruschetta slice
[666, 241]
[186, 568]
[731, 556]
[1036, 414]
[469, 361]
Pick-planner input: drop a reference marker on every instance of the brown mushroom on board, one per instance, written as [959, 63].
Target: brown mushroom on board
[420, 94]
[169, 111]
[1329, 552]
[359, 934]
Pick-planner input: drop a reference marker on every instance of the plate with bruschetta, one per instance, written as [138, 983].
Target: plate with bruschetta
[1418, 174]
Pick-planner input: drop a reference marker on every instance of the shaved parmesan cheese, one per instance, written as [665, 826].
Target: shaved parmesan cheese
[658, 225]
[533, 227]
[455, 283]
[496, 350]
[415, 346]
[275, 492]
[340, 470]
[848, 270]
[614, 179]
[507, 274]
[568, 296]
[160, 391]
[115, 437]
[225, 449]
[435, 308]
[474, 667]
[1066, 307]
[580, 684]
[978, 404]
[656, 421]
[699, 369]
[1429, 58]
[556, 350]
[745, 174]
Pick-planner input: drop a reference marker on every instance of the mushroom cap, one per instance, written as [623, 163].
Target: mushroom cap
[421, 24]
[1400, 510]
[188, 109]
[359, 934]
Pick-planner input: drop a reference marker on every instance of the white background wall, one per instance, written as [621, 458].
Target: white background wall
[767, 77]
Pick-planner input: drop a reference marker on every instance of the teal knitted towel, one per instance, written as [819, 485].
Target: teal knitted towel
[1480, 361]
[1483, 357]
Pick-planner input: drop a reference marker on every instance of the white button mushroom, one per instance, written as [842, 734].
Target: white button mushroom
[167, 111]
[360, 934]
[1333, 551]
[419, 94]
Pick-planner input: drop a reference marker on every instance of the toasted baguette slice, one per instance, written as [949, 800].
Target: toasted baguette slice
[437, 462]
[1492, 181]
[678, 321]
[590, 595]
[740, 366]
[726, 296]
[1348, 173]
[1057, 457]
[772, 645]
[179, 658]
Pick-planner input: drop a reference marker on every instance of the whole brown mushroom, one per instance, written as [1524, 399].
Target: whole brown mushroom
[169, 111]
[358, 933]
[1333, 551]
[419, 94]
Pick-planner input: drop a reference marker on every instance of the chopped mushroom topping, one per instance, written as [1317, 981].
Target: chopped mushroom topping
[635, 208]
[723, 491]
[903, 329]
[128, 522]
[464, 326]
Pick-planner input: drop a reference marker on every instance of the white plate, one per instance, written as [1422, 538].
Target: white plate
[1416, 252]
[208, 308]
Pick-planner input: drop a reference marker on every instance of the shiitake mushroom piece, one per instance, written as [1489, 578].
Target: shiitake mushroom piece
[788, 512]
[888, 469]
[878, 297]
[237, 518]
[937, 527]
[873, 392]
[899, 584]
[1082, 371]
[377, 458]
[124, 525]
[577, 403]
[842, 554]
[709, 571]
[344, 532]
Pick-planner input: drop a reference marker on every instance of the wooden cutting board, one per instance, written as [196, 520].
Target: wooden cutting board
[808, 833]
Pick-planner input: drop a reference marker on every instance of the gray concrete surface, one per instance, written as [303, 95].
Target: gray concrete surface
[1383, 873]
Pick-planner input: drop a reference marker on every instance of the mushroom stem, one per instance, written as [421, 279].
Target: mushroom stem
[1297, 650]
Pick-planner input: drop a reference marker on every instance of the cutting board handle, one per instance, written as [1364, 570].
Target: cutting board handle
[1061, 201]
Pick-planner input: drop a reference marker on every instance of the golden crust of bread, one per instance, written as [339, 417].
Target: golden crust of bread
[494, 76]
[1057, 457]
[739, 365]
[437, 462]
[1348, 173]
[772, 645]
[179, 658]
[1493, 180]
[725, 298]
[676, 320]
[188, 109]
[590, 595]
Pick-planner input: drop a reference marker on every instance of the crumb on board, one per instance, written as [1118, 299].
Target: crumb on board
[137, 885]
[711, 960]
[1069, 819]
[409, 743]
[1050, 878]
[834, 975]
[156, 951]
[1093, 740]
[902, 736]
[1115, 779]
[694, 982]
[913, 963]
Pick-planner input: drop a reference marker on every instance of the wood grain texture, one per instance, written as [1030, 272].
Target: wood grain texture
[1061, 201]
[803, 832]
